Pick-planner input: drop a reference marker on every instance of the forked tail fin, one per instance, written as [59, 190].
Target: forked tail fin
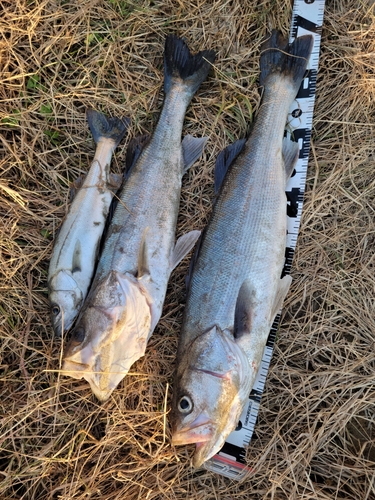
[109, 127]
[181, 65]
[280, 57]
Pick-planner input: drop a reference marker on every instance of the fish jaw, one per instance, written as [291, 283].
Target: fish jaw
[213, 384]
[111, 334]
[65, 297]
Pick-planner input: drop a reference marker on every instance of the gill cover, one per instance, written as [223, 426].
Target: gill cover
[111, 334]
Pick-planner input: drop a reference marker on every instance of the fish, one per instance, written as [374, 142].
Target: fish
[75, 250]
[236, 286]
[127, 295]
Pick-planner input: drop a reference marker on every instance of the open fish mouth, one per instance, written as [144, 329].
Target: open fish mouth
[201, 433]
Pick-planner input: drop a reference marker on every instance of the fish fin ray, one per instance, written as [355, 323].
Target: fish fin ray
[290, 156]
[192, 149]
[243, 314]
[183, 246]
[115, 181]
[143, 264]
[282, 290]
[109, 127]
[75, 186]
[77, 257]
[179, 64]
[225, 160]
[279, 57]
[194, 259]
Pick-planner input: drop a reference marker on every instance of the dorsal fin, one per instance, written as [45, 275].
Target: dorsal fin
[133, 152]
[224, 161]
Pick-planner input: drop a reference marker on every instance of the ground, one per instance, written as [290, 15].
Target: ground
[315, 434]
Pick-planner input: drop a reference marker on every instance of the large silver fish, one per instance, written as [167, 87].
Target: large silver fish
[127, 295]
[236, 287]
[75, 250]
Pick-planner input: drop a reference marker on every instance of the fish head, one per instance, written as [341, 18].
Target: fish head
[110, 335]
[65, 299]
[213, 383]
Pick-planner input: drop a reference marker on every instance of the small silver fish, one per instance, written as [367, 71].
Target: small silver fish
[75, 250]
[236, 287]
[127, 295]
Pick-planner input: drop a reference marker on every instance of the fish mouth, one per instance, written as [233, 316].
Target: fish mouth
[198, 431]
[202, 436]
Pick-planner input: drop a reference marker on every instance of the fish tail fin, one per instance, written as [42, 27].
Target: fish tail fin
[283, 58]
[108, 127]
[181, 65]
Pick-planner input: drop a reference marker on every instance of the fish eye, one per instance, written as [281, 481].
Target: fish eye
[185, 405]
[55, 310]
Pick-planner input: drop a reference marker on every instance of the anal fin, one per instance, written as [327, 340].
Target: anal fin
[192, 149]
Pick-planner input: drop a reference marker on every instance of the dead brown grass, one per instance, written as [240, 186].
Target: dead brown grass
[315, 435]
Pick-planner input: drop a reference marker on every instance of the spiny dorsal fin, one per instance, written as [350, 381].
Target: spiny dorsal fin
[290, 156]
[183, 246]
[224, 161]
[143, 264]
[192, 149]
[243, 314]
[284, 285]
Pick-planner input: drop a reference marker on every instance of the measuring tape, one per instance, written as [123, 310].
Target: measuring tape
[307, 19]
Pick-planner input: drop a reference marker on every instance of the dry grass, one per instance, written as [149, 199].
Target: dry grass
[315, 438]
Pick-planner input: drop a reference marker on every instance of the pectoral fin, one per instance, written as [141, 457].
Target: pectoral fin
[284, 285]
[290, 156]
[192, 149]
[77, 258]
[143, 264]
[183, 246]
[244, 311]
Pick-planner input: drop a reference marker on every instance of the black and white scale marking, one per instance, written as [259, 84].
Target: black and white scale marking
[307, 19]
